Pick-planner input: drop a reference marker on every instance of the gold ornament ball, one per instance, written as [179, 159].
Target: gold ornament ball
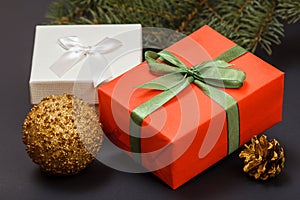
[263, 159]
[62, 134]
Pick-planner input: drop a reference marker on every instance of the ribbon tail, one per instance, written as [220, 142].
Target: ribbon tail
[66, 62]
[232, 53]
[98, 67]
[229, 104]
[141, 112]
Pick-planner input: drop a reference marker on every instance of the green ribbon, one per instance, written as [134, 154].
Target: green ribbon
[176, 76]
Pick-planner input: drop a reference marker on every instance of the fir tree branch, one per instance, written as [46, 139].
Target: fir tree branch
[242, 8]
[289, 10]
[206, 4]
[262, 28]
[189, 18]
[144, 11]
[250, 23]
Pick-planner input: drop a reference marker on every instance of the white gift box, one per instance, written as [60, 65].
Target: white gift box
[73, 59]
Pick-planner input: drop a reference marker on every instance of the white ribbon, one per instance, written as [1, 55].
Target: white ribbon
[95, 60]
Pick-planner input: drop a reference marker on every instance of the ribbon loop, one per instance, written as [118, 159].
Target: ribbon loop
[166, 56]
[68, 42]
[95, 60]
[221, 77]
[156, 67]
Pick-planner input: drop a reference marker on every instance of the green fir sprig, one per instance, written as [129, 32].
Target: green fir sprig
[250, 23]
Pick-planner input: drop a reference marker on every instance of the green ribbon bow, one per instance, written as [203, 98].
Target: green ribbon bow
[176, 76]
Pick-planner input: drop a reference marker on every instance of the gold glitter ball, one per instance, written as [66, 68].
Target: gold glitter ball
[263, 159]
[62, 134]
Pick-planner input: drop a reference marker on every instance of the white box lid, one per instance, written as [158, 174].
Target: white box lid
[78, 80]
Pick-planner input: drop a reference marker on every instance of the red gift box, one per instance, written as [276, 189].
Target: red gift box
[189, 133]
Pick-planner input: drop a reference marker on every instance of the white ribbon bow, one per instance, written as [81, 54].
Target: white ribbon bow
[95, 60]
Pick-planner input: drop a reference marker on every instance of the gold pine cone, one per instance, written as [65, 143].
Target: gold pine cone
[62, 134]
[263, 159]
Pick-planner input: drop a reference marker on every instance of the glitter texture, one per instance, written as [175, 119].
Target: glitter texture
[62, 134]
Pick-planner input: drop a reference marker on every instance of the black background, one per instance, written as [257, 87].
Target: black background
[21, 179]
